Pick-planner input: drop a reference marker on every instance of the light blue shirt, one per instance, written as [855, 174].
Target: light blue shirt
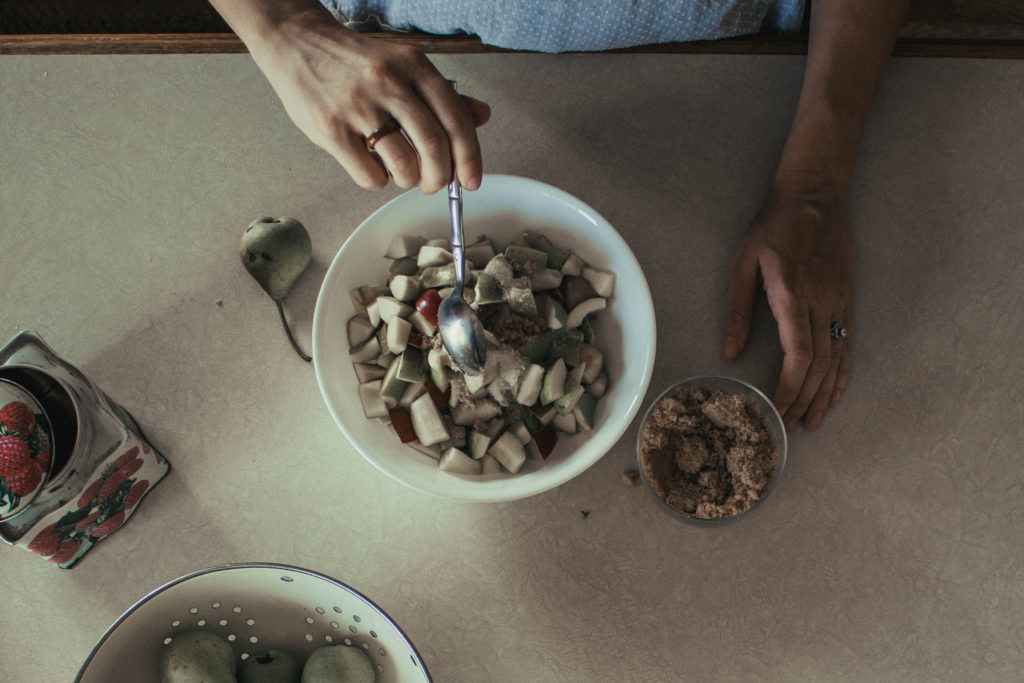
[577, 25]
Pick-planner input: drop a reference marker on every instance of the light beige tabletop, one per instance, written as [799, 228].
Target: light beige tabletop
[892, 548]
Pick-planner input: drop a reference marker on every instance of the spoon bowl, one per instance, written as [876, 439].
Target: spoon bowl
[458, 324]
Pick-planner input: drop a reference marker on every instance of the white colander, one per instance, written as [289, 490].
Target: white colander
[256, 607]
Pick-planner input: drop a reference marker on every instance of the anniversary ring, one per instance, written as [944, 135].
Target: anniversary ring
[387, 129]
[838, 331]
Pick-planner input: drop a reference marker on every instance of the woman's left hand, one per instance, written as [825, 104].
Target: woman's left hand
[800, 249]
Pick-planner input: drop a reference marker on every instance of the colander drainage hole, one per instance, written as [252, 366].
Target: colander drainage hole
[232, 637]
[353, 629]
[167, 641]
[201, 622]
[194, 610]
[309, 620]
[223, 622]
[236, 610]
[355, 618]
[380, 668]
[215, 605]
[250, 622]
[334, 625]
[366, 646]
[382, 652]
[287, 579]
[176, 623]
[253, 639]
[373, 634]
[329, 638]
[319, 610]
[245, 656]
[338, 610]
[309, 637]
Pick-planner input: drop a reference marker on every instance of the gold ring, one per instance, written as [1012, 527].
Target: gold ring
[387, 129]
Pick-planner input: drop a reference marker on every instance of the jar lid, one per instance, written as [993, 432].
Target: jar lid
[26, 448]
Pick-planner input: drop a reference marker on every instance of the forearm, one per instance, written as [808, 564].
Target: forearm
[259, 21]
[850, 42]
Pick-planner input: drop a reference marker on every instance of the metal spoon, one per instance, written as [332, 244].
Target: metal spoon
[460, 328]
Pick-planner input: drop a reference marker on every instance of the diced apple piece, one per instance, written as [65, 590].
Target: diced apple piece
[367, 372]
[529, 388]
[385, 359]
[554, 382]
[602, 281]
[382, 338]
[539, 348]
[584, 411]
[398, 335]
[489, 464]
[519, 430]
[401, 422]
[574, 377]
[363, 297]
[404, 246]
[508, 450]
[412, 392]
[593, 359]
[427, 421]
[500, 268]
[583, 309]
[487, 290]
[575, 290]
[521, 301]
[359, 330]
[545, 278]
[404, 287]
[467, 413]
[598, 386]
[410, 366]
[479, 253]
[573, 266]
[436, 395]
[523, 255]
[478, 442]
[545, 413]
[437, 277]
[565, 422]
[369, 396]
[565, 344]
[556, 257]
[553, 313]
[454, 460]
[429, 256]
[366, 351]
[437, 242]
[373, 312]
[545, 439]
[390, 308]
[392, 387]
[434, 451]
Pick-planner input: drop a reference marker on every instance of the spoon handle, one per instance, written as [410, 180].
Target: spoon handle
[455, 208]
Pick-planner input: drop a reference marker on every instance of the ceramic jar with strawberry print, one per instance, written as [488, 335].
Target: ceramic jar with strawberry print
[74, 464]
[25, 448]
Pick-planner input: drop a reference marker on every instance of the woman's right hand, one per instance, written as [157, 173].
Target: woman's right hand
[338, 87]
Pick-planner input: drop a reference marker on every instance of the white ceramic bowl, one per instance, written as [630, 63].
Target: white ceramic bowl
[501, 209]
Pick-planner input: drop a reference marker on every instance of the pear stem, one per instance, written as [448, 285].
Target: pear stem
[288, 331]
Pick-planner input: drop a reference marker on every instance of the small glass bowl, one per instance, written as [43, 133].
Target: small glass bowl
[734, 386]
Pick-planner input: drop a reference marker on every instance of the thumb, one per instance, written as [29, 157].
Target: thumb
[740, 305]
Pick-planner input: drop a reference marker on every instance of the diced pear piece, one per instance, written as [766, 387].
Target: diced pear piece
[479, 253]
[524, 255]
[367, 372]
[500, 269]
[410, 366]
[545, 278]
[437, 242]
[487, 290]
[598, 386]
[573, 266]
[519, 430]
[422, 325]
[478, 442]
[602, 281]
[556, 257]
[508, 450]
[437, 277]
[583, 411]
[583, 309]
[392, 387]
[520, 300]
[404, 287]
[366, 351]
[434, 451]
[390, 308]
[398, 335]
[429, 256]
[489, 464]
[413, 391]
[373, 312]
[369, 396]
[565, 422]
[553, 313]
[593, 359]
[427, 421]
[359, 329]
[454, 460]
[575, 290]
[567, 401]
[466, 414]
[404, 246]
[553, 385]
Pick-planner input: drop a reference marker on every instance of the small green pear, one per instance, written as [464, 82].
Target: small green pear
[197, 657]
[338, 664]
[276, 251]
[272, 666]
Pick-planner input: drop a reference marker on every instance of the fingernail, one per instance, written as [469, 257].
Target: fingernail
[730, 347]
[835, 398]
[790, 424]
[814, 421]
[473, 183]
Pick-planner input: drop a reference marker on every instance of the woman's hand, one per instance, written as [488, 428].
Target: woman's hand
[800, 249]
[338, 87]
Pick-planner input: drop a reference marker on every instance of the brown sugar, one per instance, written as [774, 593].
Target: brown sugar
[708, 453]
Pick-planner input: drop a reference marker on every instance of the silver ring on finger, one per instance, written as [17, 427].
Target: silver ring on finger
[838, 330]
